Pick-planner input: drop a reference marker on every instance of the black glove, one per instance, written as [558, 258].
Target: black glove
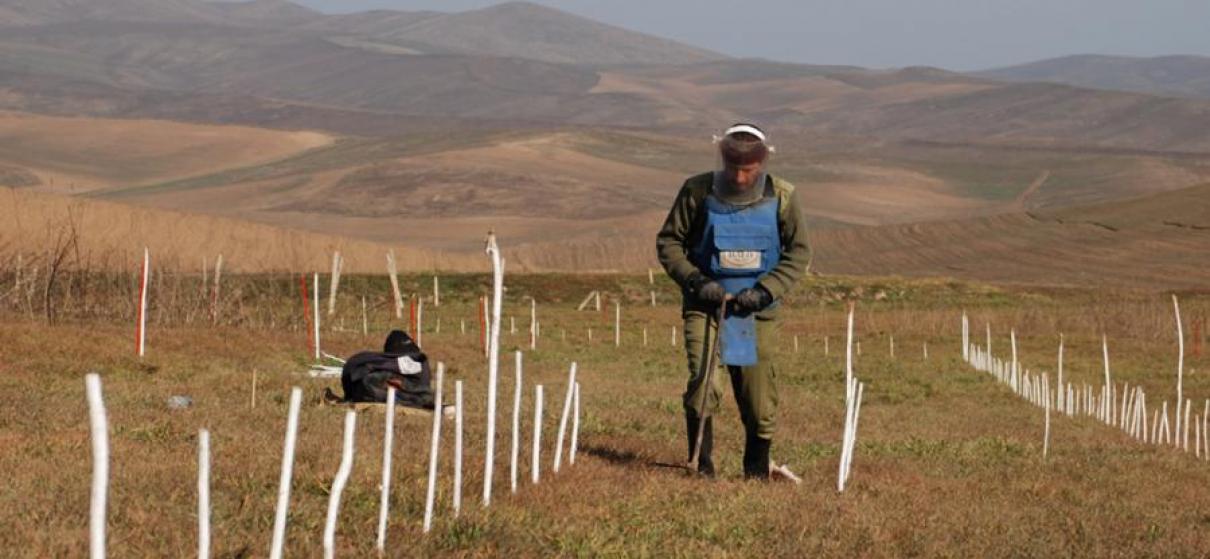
[753, 299]
[709, 290]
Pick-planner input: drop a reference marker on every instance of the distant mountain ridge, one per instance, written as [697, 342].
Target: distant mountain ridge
[270, 62]
[1179, 75]
[250, 12]
[512, 29]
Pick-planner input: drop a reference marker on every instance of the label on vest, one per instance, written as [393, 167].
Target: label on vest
[739, 259]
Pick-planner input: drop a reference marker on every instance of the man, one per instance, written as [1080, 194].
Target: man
[734, 237]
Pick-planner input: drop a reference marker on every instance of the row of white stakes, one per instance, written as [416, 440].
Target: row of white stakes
[852, 401]
[99, 427]
[1126, 409]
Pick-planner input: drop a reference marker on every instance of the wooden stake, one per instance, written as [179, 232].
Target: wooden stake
[457, 448]
[338, 484]
[1180, 364]
[567, 402]
[434, 446]
[575, 426]
[536, 466]
[337, 264]
[393, 273]
[617, 324]
[493, 365]
[287, 472]
[218, 274]
[203, 494]
[388, 443]
[516, 447]
[98, 423]
[141, 320]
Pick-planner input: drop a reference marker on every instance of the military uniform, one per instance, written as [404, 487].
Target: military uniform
[766, 243]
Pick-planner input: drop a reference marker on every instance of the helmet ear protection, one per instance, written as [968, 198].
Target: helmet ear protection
[743, 144]
[748, 128]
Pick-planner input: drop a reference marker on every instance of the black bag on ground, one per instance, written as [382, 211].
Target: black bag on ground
[367, 375]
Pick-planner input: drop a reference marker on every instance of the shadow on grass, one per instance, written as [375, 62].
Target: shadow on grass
[628, 459]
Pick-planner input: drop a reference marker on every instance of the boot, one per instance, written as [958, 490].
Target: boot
[705, 465]
[756, 458]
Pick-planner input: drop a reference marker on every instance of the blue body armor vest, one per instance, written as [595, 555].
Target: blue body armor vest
[739, 245]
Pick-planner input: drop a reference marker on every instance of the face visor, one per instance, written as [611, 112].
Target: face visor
[742, 155]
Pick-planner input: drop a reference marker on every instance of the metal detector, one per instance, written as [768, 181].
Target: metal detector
[707, 379]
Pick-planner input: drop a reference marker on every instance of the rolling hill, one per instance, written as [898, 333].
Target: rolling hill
[569, 138]
[1183, 76]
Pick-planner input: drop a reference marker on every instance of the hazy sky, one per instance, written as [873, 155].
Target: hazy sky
[953, 34]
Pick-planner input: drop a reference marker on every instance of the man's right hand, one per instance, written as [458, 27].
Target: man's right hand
[712, 292]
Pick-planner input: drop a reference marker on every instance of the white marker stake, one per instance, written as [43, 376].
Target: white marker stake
[434, 445]
[1046, 433]
[1180, 363]
[218, 274]
[337, 264]
[393, 273]
[1185, 434]
[966, 338]
[144, 286]
[1197, 437]
[575, 426]
[571, 391]
[674, 336]
[338, 484]
[436, 293]
[1108, 385]
[536, 467]
[315, 314]
[516, 448]
[493, 365]
[388, 443]
[533, 324]
[1016, 366]
[203, 494]
[287, 471]
[457, 448]
[617, 324]
[365, 319]
[848, 356]
[98, 425]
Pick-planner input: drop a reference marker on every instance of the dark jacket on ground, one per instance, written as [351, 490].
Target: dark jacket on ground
[365, 377]
[682, 231]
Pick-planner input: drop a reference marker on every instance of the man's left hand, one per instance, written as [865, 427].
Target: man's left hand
[753, 299]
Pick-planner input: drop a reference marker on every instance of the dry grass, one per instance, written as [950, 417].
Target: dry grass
[947, 463]
[112, 237]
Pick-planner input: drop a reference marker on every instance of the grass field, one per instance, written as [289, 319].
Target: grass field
[948, 462]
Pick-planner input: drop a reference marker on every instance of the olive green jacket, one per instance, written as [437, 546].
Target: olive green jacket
[682, 231]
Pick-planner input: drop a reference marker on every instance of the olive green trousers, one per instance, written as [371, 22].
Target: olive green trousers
[754, 386]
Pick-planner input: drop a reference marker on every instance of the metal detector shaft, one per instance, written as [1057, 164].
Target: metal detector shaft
[707, 381]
